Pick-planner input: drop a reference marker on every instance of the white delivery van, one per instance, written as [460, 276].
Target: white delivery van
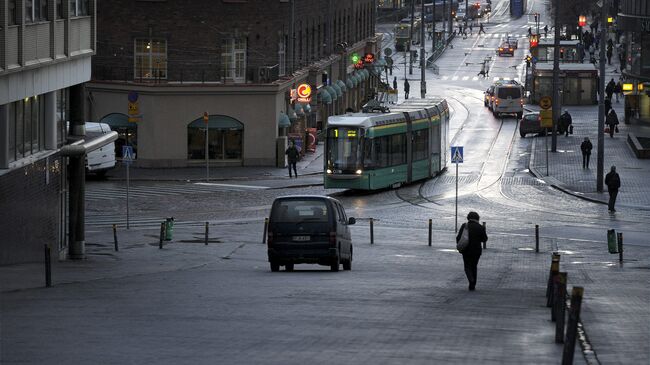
[507, 98]
[100, 160]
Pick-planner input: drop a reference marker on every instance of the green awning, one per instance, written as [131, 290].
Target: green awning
[324, 96]
[332, 92]
[349, 83]
[337, 88]
[341, 84]
[118, 121]
[218, 122]
[283, 121]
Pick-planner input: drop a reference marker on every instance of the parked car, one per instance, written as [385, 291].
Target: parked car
[530, 123]
[309, 229]
[100, 160]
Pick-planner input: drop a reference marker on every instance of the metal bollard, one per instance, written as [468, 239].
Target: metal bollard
[430, 226]
[162, 235]
[207, 232]
[620, 247]
[536, 238]
[572, 325]
[555, 268]
[372, 231]
[560, 307]
[266, 227]
[117, 248]
[484, 243]
[48, 265]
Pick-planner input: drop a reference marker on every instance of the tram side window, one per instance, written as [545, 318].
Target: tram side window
[420, 143]
[397, 149]
[435, 129]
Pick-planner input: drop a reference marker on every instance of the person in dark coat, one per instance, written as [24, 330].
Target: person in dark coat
[407, 88]
[395, 83]
[586, 148]
[612, 122]
[565, 122]
[292, 155]
[608, 105]
[613, 182]
[618, 90]
[609, 89]
[472, 253]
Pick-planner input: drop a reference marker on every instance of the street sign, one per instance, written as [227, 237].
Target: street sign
[388, 52]
[206, 117]
[545, 102]
[127, 154]
[457, 154]
[546, 118]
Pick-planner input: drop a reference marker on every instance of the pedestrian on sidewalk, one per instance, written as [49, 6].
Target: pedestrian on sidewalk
[565, 123]
[530, 32]
[586, 148]
[545, 30]
[618, 90]
[612, 122]
[471, 29]
[609, 55]
[395, 83]
[613, 182]
[472, 254]
[609, 89]
[407, 88]
[292, 155]
[481, 29]
[608, 105]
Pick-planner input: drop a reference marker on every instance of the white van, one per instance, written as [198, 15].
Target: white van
[100, 160]
[507, 98]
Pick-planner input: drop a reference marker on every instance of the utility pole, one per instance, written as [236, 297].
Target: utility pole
[411, 37]
[423, 81]
[433, 25]
[444, 20]
[601, 102]
[451, 9]
[556, 76]
[292, 38]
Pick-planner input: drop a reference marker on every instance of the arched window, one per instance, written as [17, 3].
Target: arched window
[225, 137]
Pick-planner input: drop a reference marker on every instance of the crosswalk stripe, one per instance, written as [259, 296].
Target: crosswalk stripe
[445, 77]
[474, 78]
[465, 78]
[454, 78]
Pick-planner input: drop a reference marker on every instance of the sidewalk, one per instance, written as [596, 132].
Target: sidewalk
[311, 164]
[565, 165]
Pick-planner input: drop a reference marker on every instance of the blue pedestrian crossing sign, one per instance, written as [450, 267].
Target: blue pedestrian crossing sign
[127, 154]
[457, 154]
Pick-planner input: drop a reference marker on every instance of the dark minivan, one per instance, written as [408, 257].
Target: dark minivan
[309, 229]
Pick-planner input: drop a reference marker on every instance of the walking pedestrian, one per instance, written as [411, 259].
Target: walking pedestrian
[618, 90]
[613, 182]
[292, 155]
[612, 122]
[471, 29]
[545, 30]
[586, 147]
[407, 88]
[565, 123]
[609, 89]
[481, 29]
[395, 83]
[609, 55]
[608, 105]
[530, 31]
[482, 72]
[472, 254]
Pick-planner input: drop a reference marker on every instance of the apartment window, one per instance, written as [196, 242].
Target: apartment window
[233, 59]
[150, 58]
[26, 128]
[12, 12]
[62, 110]
[35, 10]
[282, 56]
[59, 9]
[79, 7]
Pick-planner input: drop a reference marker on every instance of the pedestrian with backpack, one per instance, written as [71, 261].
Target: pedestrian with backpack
[468, 242]
[613, 182]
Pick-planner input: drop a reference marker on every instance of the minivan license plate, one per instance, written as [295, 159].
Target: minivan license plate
[301, 238]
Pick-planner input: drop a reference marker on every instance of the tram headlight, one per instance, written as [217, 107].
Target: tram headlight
[329, 171]
[359, 172]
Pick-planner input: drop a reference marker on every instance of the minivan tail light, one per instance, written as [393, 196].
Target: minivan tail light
[333, 239]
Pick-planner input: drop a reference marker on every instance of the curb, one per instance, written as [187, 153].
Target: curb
[239, 178]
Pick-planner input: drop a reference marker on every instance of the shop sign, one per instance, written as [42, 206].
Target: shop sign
[303, 93]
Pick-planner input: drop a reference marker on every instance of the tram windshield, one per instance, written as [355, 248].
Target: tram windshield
[344, 149]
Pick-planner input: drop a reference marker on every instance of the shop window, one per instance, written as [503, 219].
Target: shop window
[233, 59]
[26, 128]
[150, 58]
[225, 137]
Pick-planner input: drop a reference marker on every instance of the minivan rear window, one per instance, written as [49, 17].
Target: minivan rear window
[293, 211]
[509, 92]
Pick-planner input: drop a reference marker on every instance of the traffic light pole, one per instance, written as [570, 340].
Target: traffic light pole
[423, 82]
[600, 168]
[556, 76]
[411, 37]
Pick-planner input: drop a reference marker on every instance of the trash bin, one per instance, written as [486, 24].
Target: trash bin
[612, 245]
[169, 228]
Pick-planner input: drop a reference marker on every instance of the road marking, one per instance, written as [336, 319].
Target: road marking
[454, 78]
[474, 78]
[445, 77]
[233, 185]
[465, 78]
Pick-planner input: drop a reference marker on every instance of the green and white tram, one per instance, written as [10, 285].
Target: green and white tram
[368, 151]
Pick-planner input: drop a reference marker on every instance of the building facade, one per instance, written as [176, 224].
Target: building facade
[45, 54]
[161, 66]
[633, 23]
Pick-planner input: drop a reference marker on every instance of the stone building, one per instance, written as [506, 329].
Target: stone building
[162, 65]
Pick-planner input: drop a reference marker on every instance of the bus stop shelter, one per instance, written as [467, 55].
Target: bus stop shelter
[578, 83]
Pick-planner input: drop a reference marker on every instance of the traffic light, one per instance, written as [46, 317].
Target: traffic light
[534, 40]
[561, 53]
[528, 59]
[582, 21]
[536, 18]
[355, 58]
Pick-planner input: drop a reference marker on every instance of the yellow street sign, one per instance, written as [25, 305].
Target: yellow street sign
[546, 102]
[546, 118]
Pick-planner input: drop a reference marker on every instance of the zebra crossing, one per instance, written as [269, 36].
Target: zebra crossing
[477, 78]
[111, 191]
[140, 222]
